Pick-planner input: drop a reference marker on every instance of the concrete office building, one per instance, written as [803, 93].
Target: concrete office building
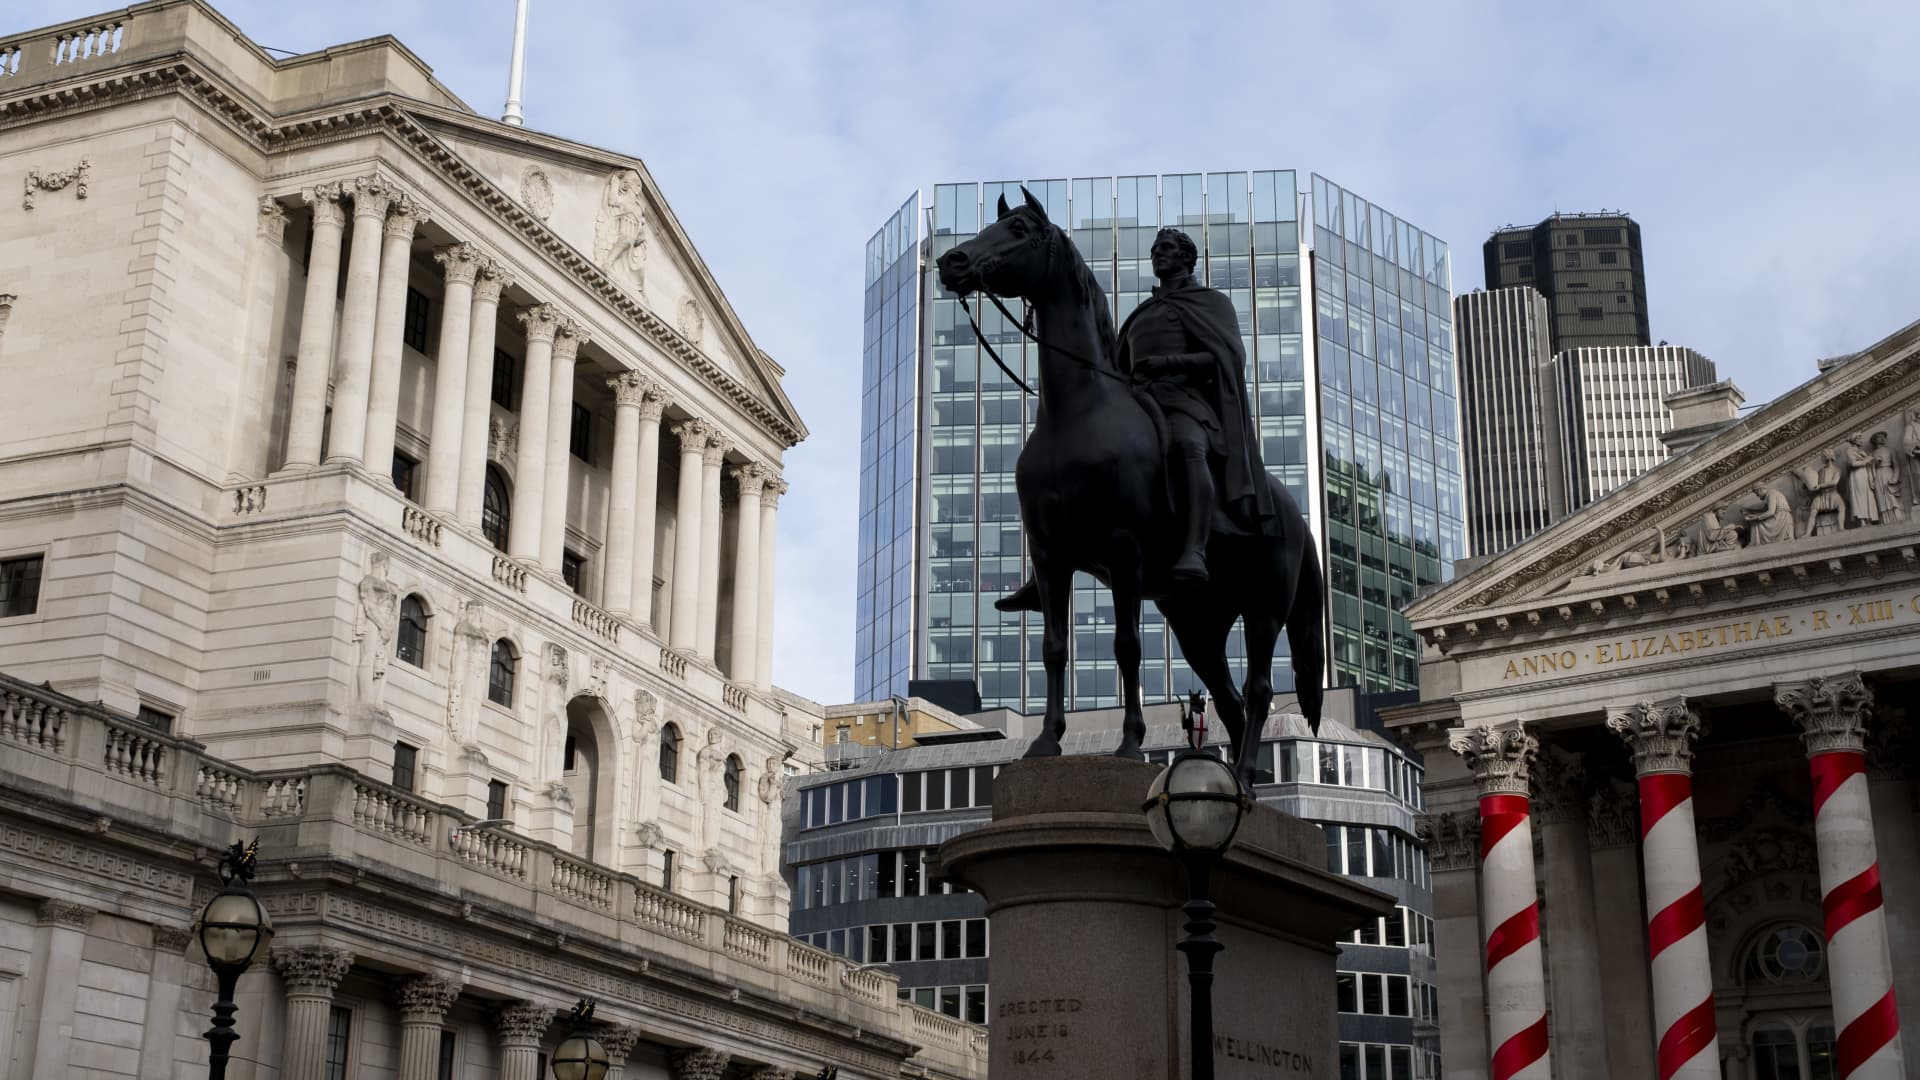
[1589, 268]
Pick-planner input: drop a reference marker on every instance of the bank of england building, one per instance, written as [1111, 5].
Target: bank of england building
[397, 487]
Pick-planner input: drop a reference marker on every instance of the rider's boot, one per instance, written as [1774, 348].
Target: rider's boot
[1026, 598]
[1196, 512]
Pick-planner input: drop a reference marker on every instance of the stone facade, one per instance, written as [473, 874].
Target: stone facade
[334, 479]
[1716, 661]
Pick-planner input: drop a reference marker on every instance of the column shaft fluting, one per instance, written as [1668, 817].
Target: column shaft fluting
[628, 391]
[553, 509]
[520, 1027]
[646, 508]
[389, 334]
[423, 1004]
[459, 264]
[310, 974]
[686, 535]
[763, 649]
[1832, 714]
[347, 434]
[709, 609]
[530, 466]
[313, 360]
[1661, 735]
[477, 414]
[1500, 758]
[746, 577]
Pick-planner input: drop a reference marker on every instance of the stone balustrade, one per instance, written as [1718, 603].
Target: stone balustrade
[595, 622]
[510, 574]
[420, 525]
[735, 697]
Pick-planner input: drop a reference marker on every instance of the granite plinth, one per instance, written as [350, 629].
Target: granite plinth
[1084, 908]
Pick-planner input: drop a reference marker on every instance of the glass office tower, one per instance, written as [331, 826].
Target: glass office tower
[1345, 319]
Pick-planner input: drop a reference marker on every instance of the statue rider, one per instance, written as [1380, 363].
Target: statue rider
[1182, 348]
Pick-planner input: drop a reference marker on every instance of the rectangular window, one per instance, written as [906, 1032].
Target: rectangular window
[448, 1042]
[1289, 767]
[580, 434]
[950, 1001]
[571, 565]
[414, 330]
[1373, 998]
[910, 874]
[924, 943]
[1346, 991]
[910, 793]
[1376, 1056]
[1397, 928]
[20, 586]
[1357, 850]
[936, 790]
[406, 469]
[1592, 314]
[404, 759]
[506, 371]
[1329, 764]
[1402, 1061]
[154, 718]
[960, 788]
[877, 944]
[950, 940]
[1609, 258]
[1334, 862]
[976, 938]
[1570, 260]
[1399, 1002]
[1526, 270]
[976, 1005]
[339, 1031]
[666, 869]
[889, 883]
[496, 799]
[902, 942]
[983, 785]
[1516, 249]
[1603, 236]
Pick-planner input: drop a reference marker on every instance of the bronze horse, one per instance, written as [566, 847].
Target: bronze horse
[1093, 498]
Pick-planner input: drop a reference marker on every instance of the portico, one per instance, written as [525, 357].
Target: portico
[1734, 719]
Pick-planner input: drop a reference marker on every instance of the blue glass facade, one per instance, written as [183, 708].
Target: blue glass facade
[963, 519]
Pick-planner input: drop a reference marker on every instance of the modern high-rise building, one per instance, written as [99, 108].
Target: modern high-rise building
[1347, 326]
[1547, 433]
[1589, 268]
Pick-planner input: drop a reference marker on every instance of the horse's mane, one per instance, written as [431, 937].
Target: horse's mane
[1087, 288]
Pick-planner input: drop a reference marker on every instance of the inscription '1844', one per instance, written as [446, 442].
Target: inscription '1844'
[1040, 1026]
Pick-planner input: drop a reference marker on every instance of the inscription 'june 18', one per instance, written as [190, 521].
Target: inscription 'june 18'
[1039, 1025]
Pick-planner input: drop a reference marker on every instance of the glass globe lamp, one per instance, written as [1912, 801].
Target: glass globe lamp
[1195, 805]
[580, 1056]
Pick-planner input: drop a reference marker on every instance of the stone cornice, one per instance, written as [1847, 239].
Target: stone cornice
[183, 74]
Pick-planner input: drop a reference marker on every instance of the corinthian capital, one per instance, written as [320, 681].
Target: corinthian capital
[272, 225]
[312, 969]
[325, 201]
[1661, 734]
[492, 280]
[523, 1023]
[699, 1063]
[751, 478]
[1831, 710]
[460, 263]
[1560, 788]
[426, 998]
[63, 913]
[542, 322]
[568, 337]
[1500, 756]
[1451, 837]
[1613, 817]
[372, 196]
[618, 1039]
[693, 435]
[405, 215]
[770, 496]
[631, 388]
[717, 447]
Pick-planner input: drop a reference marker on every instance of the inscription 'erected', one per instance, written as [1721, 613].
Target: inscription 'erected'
[1039, 1025]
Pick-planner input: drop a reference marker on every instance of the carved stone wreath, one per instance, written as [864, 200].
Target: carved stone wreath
[38, 181]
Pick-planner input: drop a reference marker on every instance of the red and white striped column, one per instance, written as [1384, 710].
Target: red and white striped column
[1832, 713]
[1501, 757]
[1661, 735]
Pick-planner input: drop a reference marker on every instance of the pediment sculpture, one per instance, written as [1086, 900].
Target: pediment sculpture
[620, 232]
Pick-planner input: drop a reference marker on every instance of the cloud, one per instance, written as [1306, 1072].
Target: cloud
[1765, 148]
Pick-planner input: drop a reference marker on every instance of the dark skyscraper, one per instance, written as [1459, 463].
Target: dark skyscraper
[1589, 268]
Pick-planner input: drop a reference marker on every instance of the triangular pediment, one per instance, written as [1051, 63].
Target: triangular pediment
[1758, 494]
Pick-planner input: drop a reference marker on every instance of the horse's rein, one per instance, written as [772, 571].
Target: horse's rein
[1026, 330]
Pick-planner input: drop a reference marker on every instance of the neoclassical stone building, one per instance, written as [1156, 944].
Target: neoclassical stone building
[1670, 756]
[396, 486]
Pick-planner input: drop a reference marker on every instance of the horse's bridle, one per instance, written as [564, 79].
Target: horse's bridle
[1026, 325]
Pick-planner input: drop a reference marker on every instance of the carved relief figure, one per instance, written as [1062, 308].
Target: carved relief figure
[1825, 507]
[620, 233]
[1717, 537]
[536, 193]
[471, 647]
[1772, 523]
[692, 324]
[1886, 479]
[1910, 444]
[378, 617]
[1863, 501]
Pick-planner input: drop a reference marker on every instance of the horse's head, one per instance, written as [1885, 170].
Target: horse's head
[1011, 257]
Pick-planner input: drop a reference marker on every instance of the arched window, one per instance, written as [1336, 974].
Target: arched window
[500, 673]
[1785, 955]
[410, 643]
[730, 781]
[670, 754]
[496, 507]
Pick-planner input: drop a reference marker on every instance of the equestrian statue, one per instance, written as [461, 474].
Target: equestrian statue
[1143, 470]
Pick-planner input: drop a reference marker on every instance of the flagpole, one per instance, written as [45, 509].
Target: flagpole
[517, 69]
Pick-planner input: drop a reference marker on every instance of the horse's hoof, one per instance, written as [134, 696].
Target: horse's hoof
[1130, 752]
[1044, 746]
[1027, 598]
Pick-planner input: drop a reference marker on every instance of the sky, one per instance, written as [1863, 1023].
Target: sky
[1769, 151]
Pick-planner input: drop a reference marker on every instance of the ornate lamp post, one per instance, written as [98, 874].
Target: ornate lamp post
[233, 930]
[1194, 809]
[580, 1055]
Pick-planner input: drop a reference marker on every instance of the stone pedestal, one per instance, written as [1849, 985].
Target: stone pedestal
[1084, 910]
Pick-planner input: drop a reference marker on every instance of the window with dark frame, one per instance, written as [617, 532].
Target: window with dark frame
[580, 434]
[414, 325]
[410, 641]
[670, 753]
[730, 782]
[405, 758]
[406, 470]
[1609, 258]
[1592, 314]
[506, 371]
[154, 718]
[449, 1042]
[733, 896]
[571, 567]
[496, 508]
[666, 869]
[20, 585]
[500, 673]
[339, 1039]
[496, 799]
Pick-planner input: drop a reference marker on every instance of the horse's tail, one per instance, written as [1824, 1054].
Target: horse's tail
[1307, 636]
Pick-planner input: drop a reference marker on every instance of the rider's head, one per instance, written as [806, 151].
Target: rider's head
[1174, 252]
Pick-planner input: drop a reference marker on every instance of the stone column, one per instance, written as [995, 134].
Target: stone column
[769, 509]
[646, 505]
[46, 1023]
[1613, 836]
[553, 512]
[750, 478]
[1452, 840]
[1892, 752]
[693, 435]
[268, 270]
[424, 1001]
[347, 434]
[460, 264]
[313, 361]
[521, 1026]
[310, 973]
[389, 334]
[1501, 758]
[530, 468]
[165, 979]
[629, 390]
[1572, 930]
[698, 1063]
[1661, 735]
[478, 410]
[619, 1040]
[709, 611]
[1832, 713]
